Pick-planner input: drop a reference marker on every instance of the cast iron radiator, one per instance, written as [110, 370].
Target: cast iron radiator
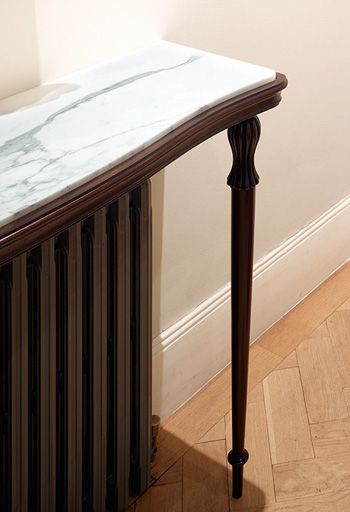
[75, 365]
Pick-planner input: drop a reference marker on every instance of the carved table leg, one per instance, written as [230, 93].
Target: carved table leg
[242, 179]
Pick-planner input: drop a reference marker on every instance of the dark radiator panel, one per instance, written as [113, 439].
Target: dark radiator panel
[75, 396]
[48, 377]
[112, 325]
[5, 386]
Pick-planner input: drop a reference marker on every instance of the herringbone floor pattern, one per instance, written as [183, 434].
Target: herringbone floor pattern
[298, 422]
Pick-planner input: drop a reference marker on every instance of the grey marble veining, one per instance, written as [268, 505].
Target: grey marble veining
[61, 134]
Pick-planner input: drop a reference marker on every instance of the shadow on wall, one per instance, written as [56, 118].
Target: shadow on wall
[19, 53]
[35, 96]
[157, 191]
[190, 237]
[157, 201]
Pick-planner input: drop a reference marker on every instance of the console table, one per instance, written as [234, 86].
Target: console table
[75, 343]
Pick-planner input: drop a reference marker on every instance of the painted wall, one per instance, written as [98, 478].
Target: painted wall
[303, 155]
[19, 58]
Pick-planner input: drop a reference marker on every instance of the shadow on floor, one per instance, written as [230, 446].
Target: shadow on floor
[195, 478]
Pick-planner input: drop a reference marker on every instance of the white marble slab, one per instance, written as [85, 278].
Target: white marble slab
[65, 132]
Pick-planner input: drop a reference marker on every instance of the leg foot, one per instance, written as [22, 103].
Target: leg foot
[237, 464]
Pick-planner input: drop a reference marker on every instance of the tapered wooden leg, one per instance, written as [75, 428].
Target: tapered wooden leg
[242, 180]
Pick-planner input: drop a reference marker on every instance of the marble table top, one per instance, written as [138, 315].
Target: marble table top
[61, 134]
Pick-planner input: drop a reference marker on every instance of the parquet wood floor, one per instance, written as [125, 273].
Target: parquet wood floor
[298, 422]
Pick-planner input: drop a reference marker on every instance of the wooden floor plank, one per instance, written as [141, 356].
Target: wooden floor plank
[289, 361]
[216, 433]
[338, 501]
[258, 480]
[321, 331]
[322, 381]
[261, 363]
[204, 478]
[173, 475]
[331, 438]
[333, 502]
[256, 394]
[287, 421]
[345, 306]
[339, 330]
[167, 498]
[346, 396]
[314, 477]
[299, 323]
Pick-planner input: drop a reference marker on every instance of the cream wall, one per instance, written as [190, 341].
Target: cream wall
[19, 60]
[302, 157]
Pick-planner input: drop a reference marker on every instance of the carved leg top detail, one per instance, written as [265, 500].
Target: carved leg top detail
[243, 138]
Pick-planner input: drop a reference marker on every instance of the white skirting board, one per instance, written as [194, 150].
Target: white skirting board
[187, 355]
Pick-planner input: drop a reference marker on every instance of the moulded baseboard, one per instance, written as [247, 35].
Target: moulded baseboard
[188, 354]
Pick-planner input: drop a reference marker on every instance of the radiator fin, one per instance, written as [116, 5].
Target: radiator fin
[140, 440]
[61, 260]
[87, 242]
[34, 350]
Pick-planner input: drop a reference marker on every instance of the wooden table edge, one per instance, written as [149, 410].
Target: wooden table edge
[47, 220]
